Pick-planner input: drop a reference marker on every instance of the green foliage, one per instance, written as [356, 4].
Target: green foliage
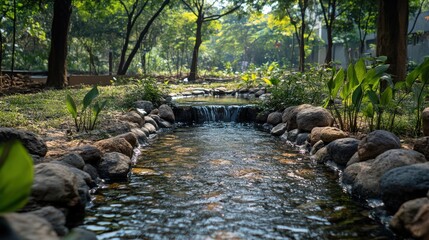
[87, 117]
[145, 89]
[16, 176]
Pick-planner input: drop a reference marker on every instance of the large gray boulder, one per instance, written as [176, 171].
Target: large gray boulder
[367, 181]
[422, 145]
[115, 167]
[133, 117]
[312, 117]
[115, 144]
[32, 142]
[274, 118]
[55, 217]
[166, 113]
[377, 142]
[412, 218]
[341, 150]
[403, 184]
[89, 154]
[151, 121]
[30, 227]
[289, 115]
[72, 159]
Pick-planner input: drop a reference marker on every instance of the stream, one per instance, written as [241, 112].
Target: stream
[228, 181]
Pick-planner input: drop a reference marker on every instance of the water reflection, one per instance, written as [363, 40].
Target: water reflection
[227, 181]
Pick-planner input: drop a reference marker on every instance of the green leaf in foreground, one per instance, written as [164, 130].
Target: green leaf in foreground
[16, 176]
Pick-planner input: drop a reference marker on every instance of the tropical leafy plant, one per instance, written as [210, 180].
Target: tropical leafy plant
[86, 118]
[16, 176]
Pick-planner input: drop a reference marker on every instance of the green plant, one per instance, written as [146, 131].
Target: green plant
[87, 117]
[146, 89]
[16, 176]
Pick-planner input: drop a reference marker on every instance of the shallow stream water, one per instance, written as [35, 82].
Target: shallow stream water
[228, 181]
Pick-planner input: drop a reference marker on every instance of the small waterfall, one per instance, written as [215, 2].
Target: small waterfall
[215, 113]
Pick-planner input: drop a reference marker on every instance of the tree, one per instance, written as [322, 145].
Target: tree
[133, 11]
[392, 29]
[57, 63]
[205, 11]
[329, 10]
[363, 15]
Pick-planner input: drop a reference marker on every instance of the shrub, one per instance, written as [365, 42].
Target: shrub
[145, 89]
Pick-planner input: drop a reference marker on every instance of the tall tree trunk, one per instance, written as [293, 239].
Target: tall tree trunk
[392, 30]
[12, 66]
[302, 48]
[1, 52]
[328, 58]
[57, 64]
[198, 40]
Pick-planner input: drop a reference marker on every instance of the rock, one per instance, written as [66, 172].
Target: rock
[259, 93]
[31, 227]
[351, 172]
[274, 118]
[130, 137]
[81, 234]
[133, 117]
[412, 218]
[403, 184]
[115, 145]
[290, 113]
[55, 217]
[156, 118]
[422, 145]
[301, 138]
[33, 143]
[279, 129]
[367, 182]
[89, 154]
[262, 117]
[425, 121]
[120, 128]
[115, 166]
[151, 121]
[166, 113]
[84, 184]
[292, 135]
[92, 171]
[377, 142]
[164, 124]
[315, 135]
[146, 131]
[353, 159]
[72, 159]
[321, 156]
[149, 127]
[141, 136]
[267, 127]
[330, 134]
[154, 112]
[309, 118]
[55, 184]
[320, 144]
[341, 150]
[147, 106]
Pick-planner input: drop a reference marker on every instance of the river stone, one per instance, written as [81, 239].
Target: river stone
[133, 117]
[354, 159]
[141, 136]
[292, 135]
[279, 129]
[165, 124]
[154, 112]
[150, 127]
[330, 134]
[72, 159]
[301, 139]
[32, 142]
[320, 144]
[147, 106]
[89, 154]
[262, 117]
[166, 113]
[130, 137]
[151, 121]
[412, 218]
[377, 142]
[92, 171]
[146, 131]
[309, 118]
[367, 182]
[156, 118]
[115, 144]
[290, 113]
[31, 227]
[115, 167]
[274, 118]
[321, 156]
[56, 184]
[425, 121]
[351, 172]
[84, 184]
[403, 184]
[341, 150]
[315, 135]
[422, 145]
[55, 217]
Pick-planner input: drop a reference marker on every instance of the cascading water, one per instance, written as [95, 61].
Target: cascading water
[215, 113]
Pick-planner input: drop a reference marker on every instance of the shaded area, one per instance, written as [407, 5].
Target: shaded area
[227, 181]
